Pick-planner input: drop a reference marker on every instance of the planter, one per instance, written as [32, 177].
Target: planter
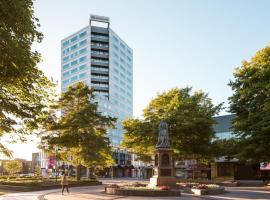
[141, 192]
[205, 191]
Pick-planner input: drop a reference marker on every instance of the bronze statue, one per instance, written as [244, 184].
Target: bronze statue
[163, 137]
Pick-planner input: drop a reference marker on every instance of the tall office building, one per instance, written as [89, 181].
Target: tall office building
[97, 56]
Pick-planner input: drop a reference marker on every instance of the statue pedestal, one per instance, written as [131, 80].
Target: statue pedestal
[161, 181]
[164, 169]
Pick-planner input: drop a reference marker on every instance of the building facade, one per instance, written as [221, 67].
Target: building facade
[98, 57]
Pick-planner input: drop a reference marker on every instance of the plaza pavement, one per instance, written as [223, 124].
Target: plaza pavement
[97, 193]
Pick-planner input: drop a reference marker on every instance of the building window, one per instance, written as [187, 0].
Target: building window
[74, 62]
[83, 42]
[122, 68]
[73, 39]
[83, 50]
[122, 75]
[82, 67]
[73, 47]
[65, 59]
[115, 47]
[82, 34]
[82, 59]
[83, 75]
[116, 70]
[129, 52]
[66, 66]
[65, 43]
[65, 82]
[122, 45]
[73, 71]
[74, 78]
[122, 60]
[65, 74]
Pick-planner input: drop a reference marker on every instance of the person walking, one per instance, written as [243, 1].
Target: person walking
[64, 183]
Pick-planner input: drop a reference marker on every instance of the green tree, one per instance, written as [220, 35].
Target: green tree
[251, 104]
[37, 170]
[190, 123]
[13, 167]
[228, 148]
[81, 131]
[23, 86]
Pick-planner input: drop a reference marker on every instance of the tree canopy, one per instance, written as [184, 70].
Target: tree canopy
[13, 166]
[80, 133]
[251, 104]
[23, 87]
[190, 124]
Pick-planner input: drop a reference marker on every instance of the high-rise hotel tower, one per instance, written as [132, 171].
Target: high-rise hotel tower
[97, 56]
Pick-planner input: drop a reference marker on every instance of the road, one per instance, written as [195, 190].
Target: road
[96, 193]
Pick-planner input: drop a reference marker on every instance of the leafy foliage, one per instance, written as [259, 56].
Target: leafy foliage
[189, 117]
[23, 87]
[13, 167]
[251, 104]
[80, 132]
[227, 148]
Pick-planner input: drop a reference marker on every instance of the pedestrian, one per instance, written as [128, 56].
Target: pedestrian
[64, 183]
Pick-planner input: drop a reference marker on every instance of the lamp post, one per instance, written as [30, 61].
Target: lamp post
[56, 167]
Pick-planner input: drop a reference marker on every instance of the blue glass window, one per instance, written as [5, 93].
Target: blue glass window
[129, 52]
[73, 39]
[122, 60]
[129, 80]
[74, 78]
[129, 73]
[115, 78]
[122, 68]
[65, 74]
[122, 83]
[115, 39]
[82, 67]
[122, 53]
[122, 75]
[73, 47]
[66, 66]
[65, 43]
[74, 62]
[82, 59]
[115, 55]
[82, 34]
[83, 75]
[83, 42]
[122, 45]
[74, 70]
[83, 50]
[129, 59]
[116, 70]
[116, 63]
[65, 58]
[116, 47]
[65, 82]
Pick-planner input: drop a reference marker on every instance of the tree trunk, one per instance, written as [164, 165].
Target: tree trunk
[78, 172]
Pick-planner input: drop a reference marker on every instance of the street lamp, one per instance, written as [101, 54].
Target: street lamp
[56, 167]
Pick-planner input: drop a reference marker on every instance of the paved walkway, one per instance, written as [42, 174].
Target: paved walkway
[97, 193]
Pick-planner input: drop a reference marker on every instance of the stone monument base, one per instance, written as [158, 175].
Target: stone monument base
[163, 181]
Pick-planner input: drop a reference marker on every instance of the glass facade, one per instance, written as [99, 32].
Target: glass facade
[223, 125]
[98, 57]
